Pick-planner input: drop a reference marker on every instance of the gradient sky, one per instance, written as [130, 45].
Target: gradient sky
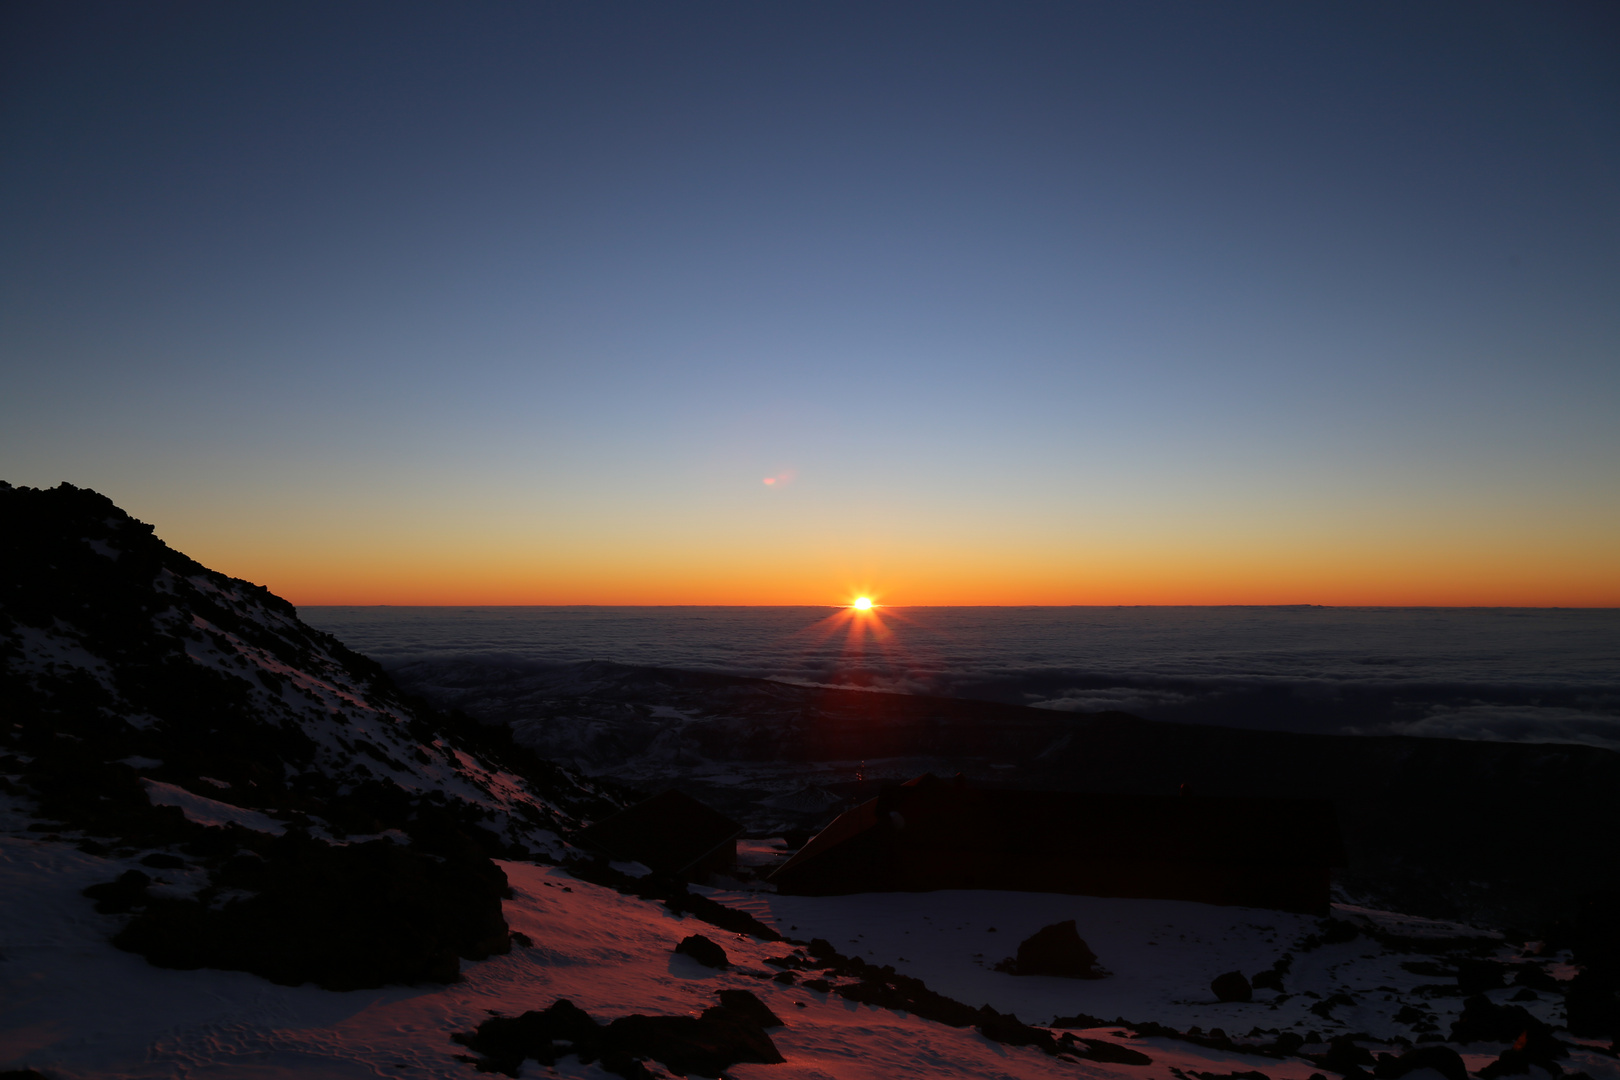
[1022, 303]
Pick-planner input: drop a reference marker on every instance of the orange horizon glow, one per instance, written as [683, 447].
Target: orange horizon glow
[822, 566]
[344, 583]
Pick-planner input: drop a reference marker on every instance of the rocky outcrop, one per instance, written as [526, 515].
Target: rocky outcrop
[165, 714]
[1054, 950]
[704, 1045]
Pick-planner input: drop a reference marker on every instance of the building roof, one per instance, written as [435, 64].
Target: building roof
[669, 833]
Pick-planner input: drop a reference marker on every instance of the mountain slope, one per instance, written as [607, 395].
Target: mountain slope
[122, 656]
[306, 821]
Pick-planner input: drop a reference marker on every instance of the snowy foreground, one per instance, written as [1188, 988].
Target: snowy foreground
[71, 1005]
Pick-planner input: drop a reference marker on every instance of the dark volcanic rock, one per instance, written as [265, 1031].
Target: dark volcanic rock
[1269, 979]
[703, 1045]
[1232, 986]
[130, 673]
[1101, 1050]
[120, 896]
[1054, 950]
[704, 951]
[124, 664]
[1007, 1029]
[344, 918]
[1484, 1021]
[1442, 1059]
[744, 1002]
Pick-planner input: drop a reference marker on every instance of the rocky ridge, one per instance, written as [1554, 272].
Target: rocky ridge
[281, 805]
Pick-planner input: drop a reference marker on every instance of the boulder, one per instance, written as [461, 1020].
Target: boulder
[1232, 986]
[1269, 979]
[1442, 1059]
[1007, 1029]
[1484, 1021]
[344, 918]
[1054, 950]
[703, 951]
[704, 1045]
[124, 894]
[744, 1002]
[1102, 1050]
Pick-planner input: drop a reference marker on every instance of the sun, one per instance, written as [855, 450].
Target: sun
[862, 603]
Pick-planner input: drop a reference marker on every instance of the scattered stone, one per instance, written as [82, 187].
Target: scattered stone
[123, 895]
[1101, 1050]
[345, 918]
[1288, 1043]
[1484, 1021]
[1325, 1007]
[1442, 1059]
[743, 1001]
[704, 1045]
[703, 951]
[1514, 1062]
[1054, 950]
[1007, 1029]
[1270, 979]
[1232, 986]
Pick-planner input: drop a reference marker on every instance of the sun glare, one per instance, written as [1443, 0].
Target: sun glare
[862, 603]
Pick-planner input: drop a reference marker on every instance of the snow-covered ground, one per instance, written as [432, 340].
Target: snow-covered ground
[1161, 954]
[73, 1006]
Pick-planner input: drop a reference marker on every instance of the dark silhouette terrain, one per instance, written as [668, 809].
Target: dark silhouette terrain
[1508, 834]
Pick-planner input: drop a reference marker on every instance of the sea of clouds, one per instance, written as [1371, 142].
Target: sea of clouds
[1519, 675]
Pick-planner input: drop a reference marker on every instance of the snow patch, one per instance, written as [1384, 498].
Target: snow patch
[210, 812]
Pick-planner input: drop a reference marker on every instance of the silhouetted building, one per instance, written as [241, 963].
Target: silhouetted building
[670, 833]
[931, 834]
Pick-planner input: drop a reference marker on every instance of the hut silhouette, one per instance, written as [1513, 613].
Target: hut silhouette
[929, 834]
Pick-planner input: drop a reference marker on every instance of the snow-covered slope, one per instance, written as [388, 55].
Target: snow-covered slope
[72, 1006]
[313, 825]
[230, 846]
[134, 676]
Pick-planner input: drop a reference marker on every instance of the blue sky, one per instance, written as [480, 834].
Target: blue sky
[1064, 300]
